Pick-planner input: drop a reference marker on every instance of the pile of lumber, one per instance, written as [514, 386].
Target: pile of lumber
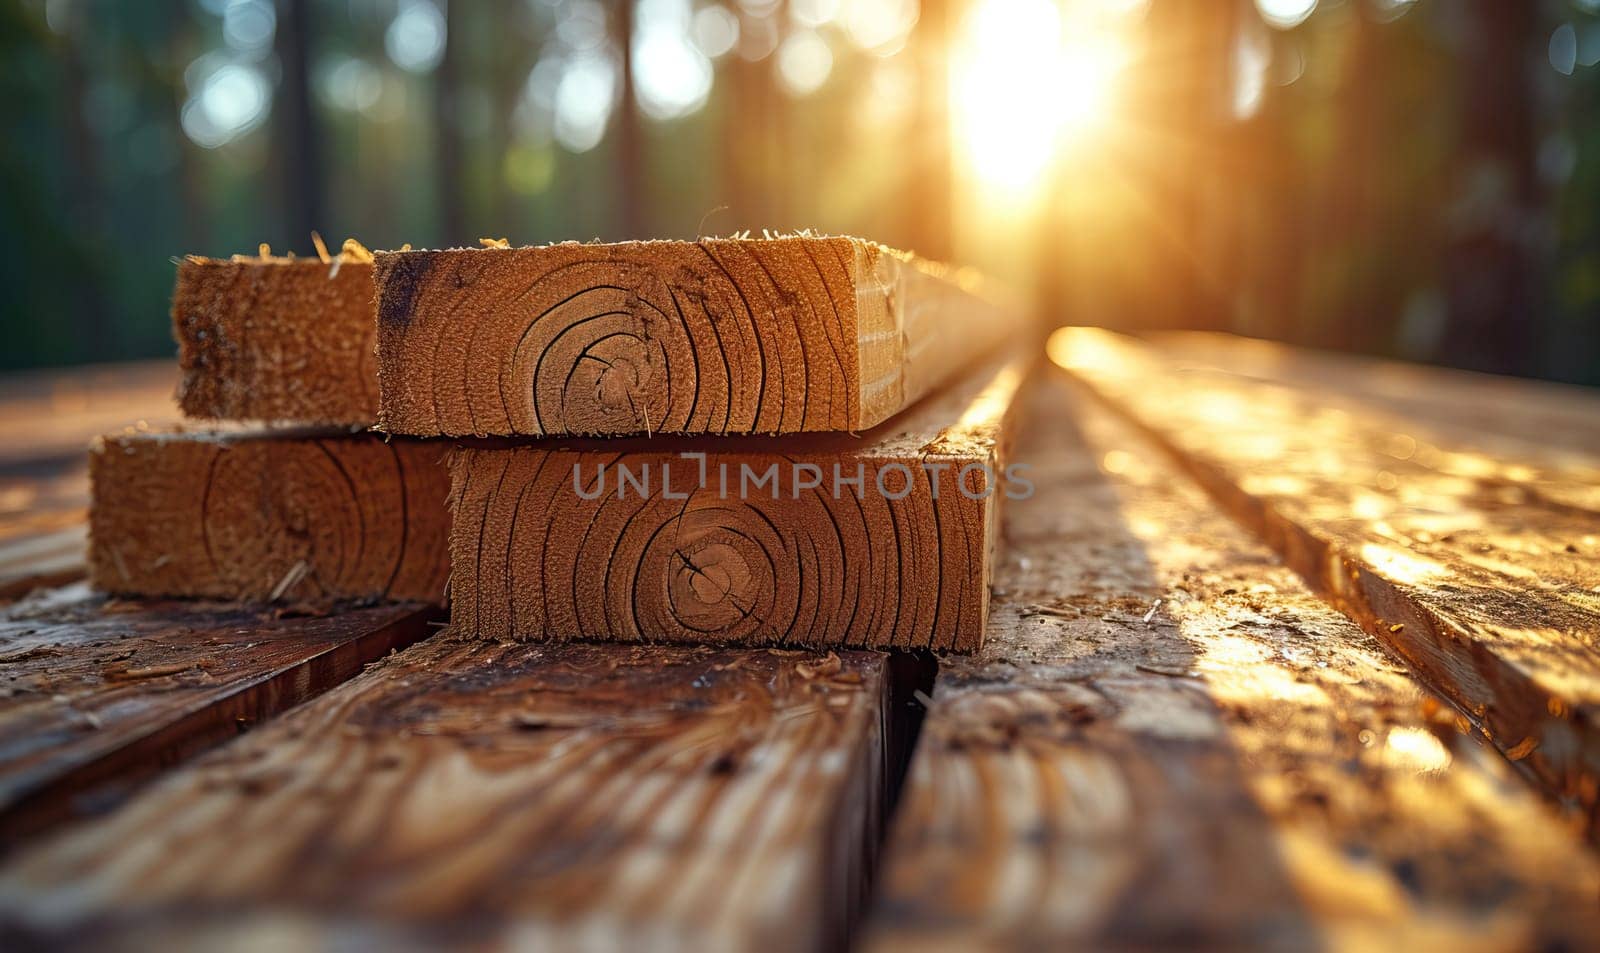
[795, 440]
[278, 492]
[734, 441]
[1255, 708]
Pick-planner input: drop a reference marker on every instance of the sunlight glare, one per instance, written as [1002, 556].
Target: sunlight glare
[1285, 14]
[1024, 88]
[804, 62]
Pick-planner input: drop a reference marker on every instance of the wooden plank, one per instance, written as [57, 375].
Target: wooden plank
[1503, 415]
[269, 514]
[97, 695]
[1168, 741]
[1481, 571]
[465, 792]
[276, 338]
[717, 336]
[747, 541]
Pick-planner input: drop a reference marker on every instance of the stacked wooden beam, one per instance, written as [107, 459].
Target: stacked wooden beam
[277, 338]
[288, 499]
[792, 440]
[799, 439]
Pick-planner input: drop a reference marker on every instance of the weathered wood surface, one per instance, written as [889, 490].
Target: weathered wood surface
[1503, 415]
[270, 515]
[619, 540]
[277, 338]
[464, 792]
[717, 336]
[1482, 571]
[1168, 742]
[97, 695]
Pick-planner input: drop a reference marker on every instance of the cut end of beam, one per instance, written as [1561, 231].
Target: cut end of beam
[881, 541]
[279, 339]
[269, 515]
[719, 336]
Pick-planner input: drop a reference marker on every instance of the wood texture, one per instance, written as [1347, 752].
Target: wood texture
[96, 696]
[1506, 416]
[269, 515]
[468, 793]
[900, 559]
[1480, 570]
[719, 336]
[1169, 742]
[280, 339]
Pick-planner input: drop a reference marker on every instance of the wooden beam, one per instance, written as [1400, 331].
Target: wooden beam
[97, 696]
[269, 514]
[465, 792]
[1479, 569]
[718, 336]
[883, 540]
[1169, 741]
[279, 339]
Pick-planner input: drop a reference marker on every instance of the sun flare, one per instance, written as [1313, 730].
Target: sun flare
[1028, 84]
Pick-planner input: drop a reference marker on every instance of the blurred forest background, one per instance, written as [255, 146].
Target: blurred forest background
[1413, 178]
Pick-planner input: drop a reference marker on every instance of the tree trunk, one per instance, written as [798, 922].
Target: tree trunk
[92, 319]
[1491, 280]
[448, 192]
[631, 169]
[299, 160]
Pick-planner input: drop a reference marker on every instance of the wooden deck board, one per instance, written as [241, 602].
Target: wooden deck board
[97, 696]
[464, 791]
[1481, 570]
[1505, 414]
[1238, 766]
[42, 560]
